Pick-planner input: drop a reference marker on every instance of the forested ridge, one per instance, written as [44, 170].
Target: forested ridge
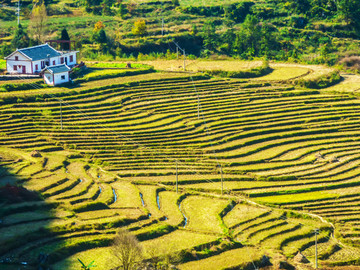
[309, 31]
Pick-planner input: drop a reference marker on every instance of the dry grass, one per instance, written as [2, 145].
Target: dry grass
[284, 74]
[316, 70]
[202, 213]
[236, 257]
[242, 212]
[101, 256]
[351, 83]
[200, 65]
[176, 241]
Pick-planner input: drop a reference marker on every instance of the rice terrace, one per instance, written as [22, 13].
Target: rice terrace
[179, 135]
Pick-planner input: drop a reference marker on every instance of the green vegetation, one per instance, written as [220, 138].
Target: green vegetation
[323, 32]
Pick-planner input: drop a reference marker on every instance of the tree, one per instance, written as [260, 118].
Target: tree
[65, 36]
[102, 36]
[350, 9]
[21, 39]
[209, 36]
[38, 20]
[98, 26]
[139, 28]
[126, 251]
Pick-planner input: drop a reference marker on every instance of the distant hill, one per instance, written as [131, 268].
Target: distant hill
[311, 31]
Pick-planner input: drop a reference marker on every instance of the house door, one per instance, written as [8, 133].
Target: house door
[24, 69]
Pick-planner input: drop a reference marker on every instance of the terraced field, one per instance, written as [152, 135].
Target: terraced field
[115, 161]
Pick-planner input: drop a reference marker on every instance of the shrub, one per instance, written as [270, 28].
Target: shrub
[251, 73]
[351, 62]
[320, 82]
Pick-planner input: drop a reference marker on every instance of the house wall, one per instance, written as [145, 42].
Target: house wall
[67, 55]
[59, 80]
[22, 61]
[48, 78]
[52, 59]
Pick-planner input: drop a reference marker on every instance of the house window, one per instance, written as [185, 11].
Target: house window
[63, 77]
[54, 63]
[42, 64]
[16, 58]
[62, 60]
[15, 67]
[71, 58]
[36, 67]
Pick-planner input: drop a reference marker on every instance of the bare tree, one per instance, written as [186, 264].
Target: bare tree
[126, 251]
[38, 21]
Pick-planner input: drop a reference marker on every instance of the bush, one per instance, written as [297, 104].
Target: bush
[22, 86]
[251, 73]
[351, 62]
[114, 74]
[321, 82]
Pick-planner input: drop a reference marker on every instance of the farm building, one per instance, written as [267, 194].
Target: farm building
[34, 59]
[55, 75]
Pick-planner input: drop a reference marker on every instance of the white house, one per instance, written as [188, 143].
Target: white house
[33, 59]
[55, 75]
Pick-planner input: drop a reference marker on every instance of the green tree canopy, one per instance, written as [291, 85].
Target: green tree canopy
[21, 39]
[65, 36]
[350, 9]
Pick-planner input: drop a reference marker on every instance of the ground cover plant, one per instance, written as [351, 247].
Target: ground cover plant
[230, 143]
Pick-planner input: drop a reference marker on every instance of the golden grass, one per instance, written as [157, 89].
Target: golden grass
[242, 212]
[127, 195]
[200, 65]
[316, 70]
[176, 241]
[149, 197]
[20, 81]
[99, 255]
[284, 74]
[169, 207]
[236, 257]
[202, 213]
[100, 214]
[351, 83]
[309, 196]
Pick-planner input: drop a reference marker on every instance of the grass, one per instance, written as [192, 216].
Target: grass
[242, 212]
[241, 257]
[2, 64]
[284, 73]
[168, 203]
[202, 213]
[201, 65]
[99, 255]
[266, 136]
[176, 241]
[292, 198]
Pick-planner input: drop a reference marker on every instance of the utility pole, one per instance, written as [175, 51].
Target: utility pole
[222, 180]
[162, 26]
[177, 52]
[198, 107]
[184, 60]
[18, 12]
[61, 115]
[316, 231]
[177, 179]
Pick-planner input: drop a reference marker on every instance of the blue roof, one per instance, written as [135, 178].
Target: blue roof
[58, 69]
[40, 52]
